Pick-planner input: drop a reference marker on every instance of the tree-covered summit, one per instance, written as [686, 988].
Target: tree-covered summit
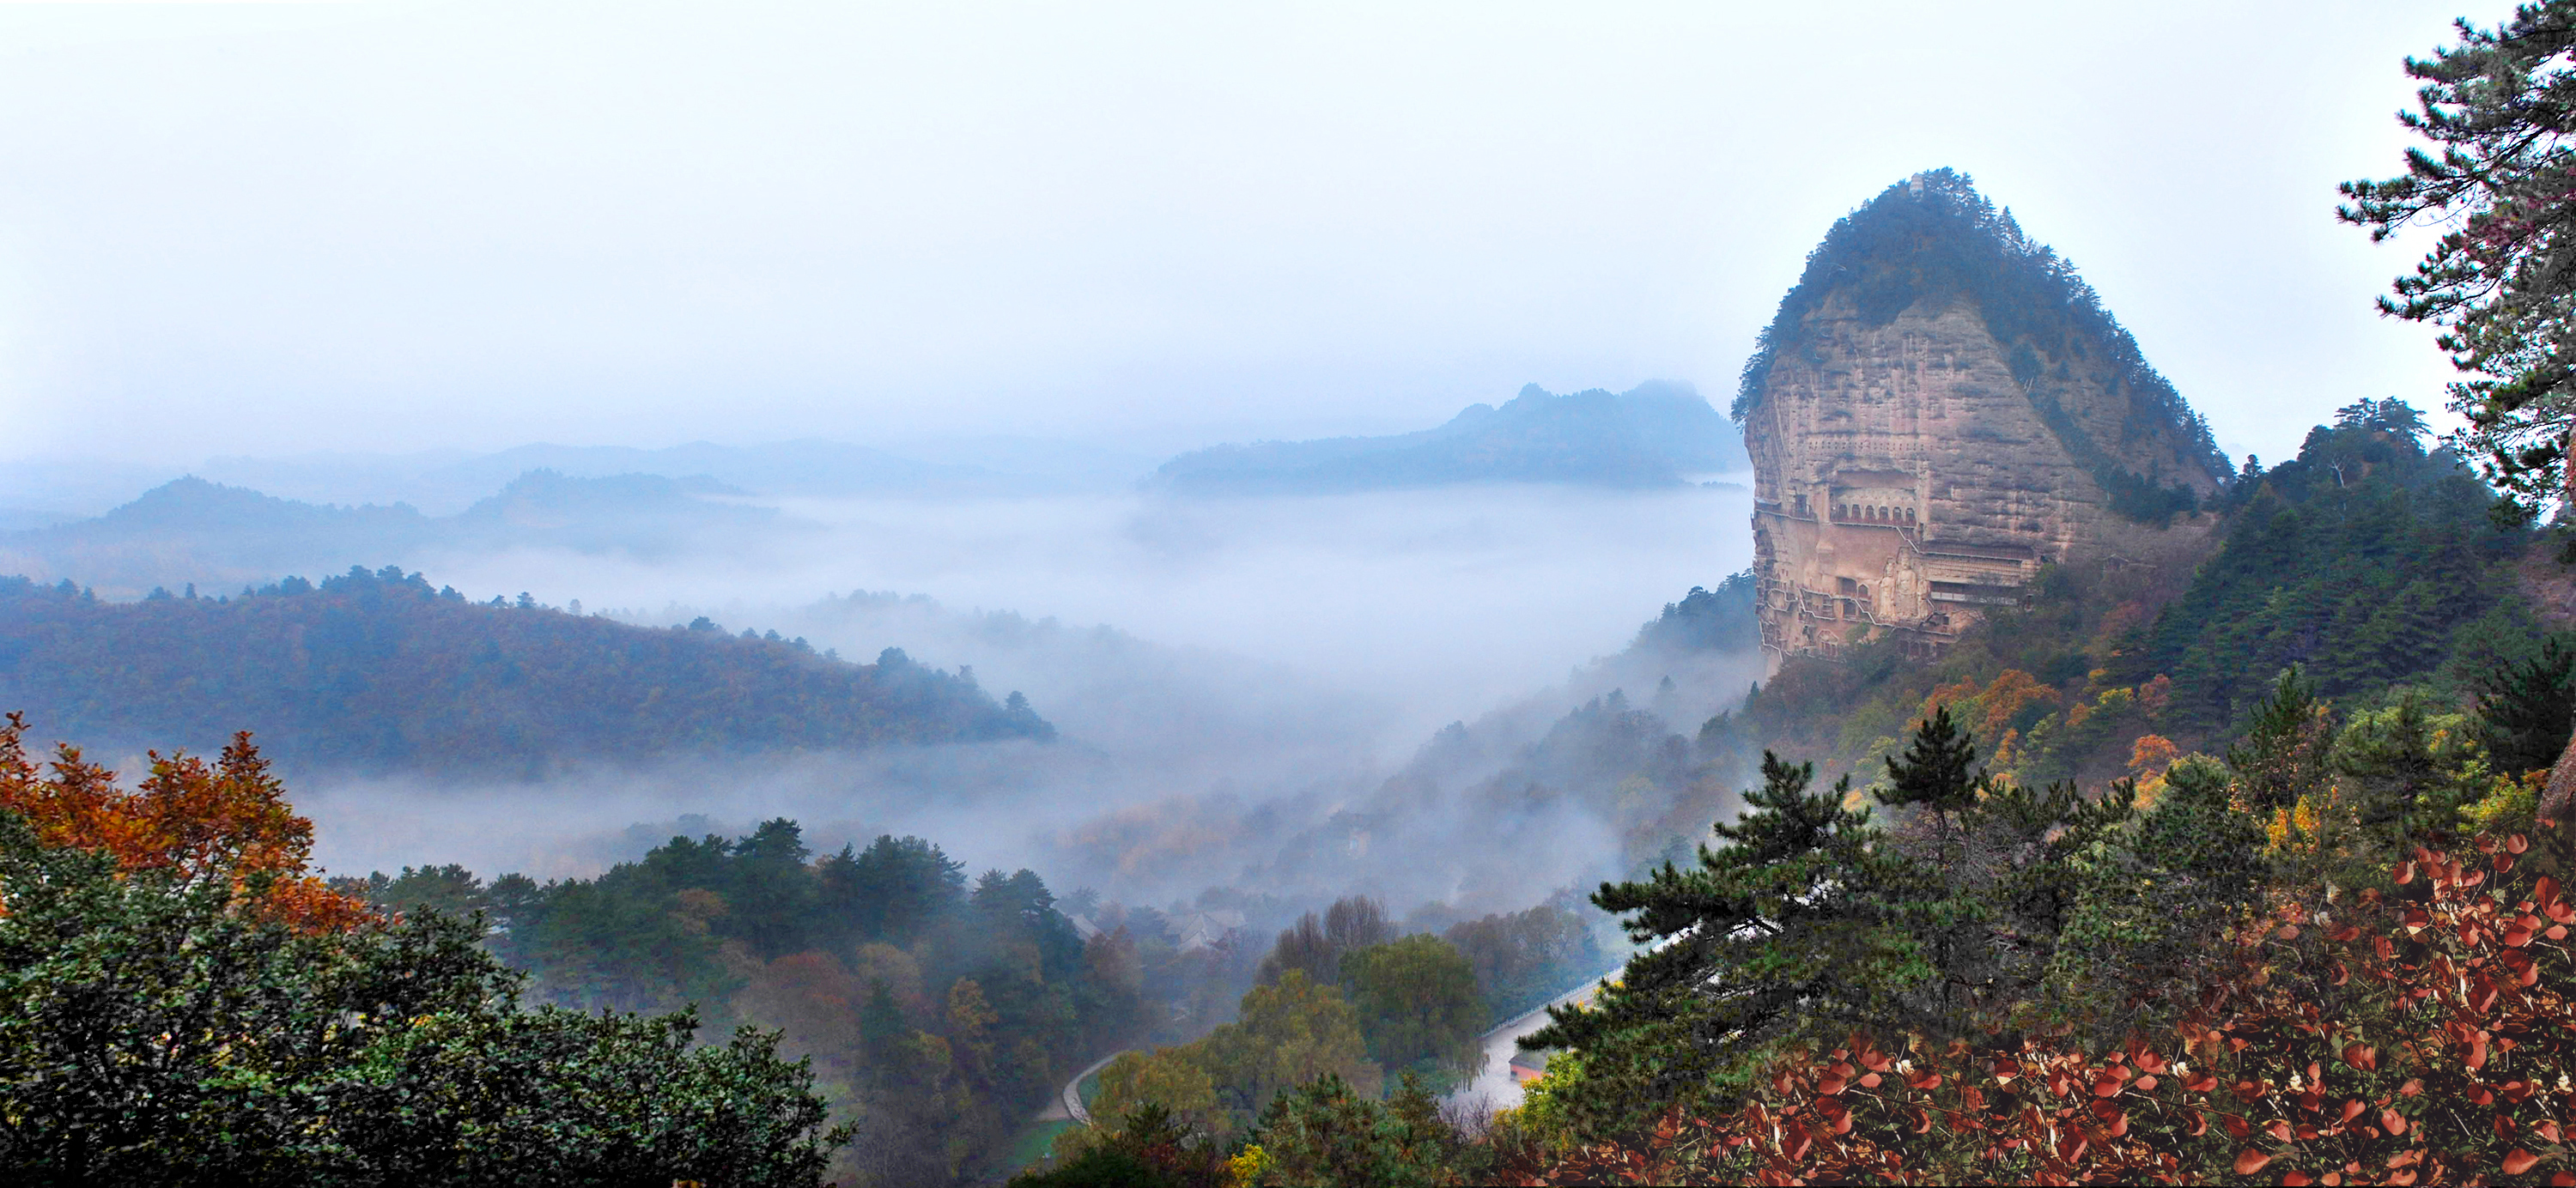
[1932, 241]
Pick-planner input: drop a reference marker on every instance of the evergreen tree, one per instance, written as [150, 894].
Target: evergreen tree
[2500, 107]
[2527, 707]
[1783, 928]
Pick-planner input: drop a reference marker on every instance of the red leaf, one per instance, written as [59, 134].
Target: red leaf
[2341, 975]
[2518, 1161]
[2345, 933]
[2280, 1130]
[2392, 1121]
[2563, 1180]
[2297, 1179]
[2146, 1085]
[2361, 1056]
[2405, 873]
[2199, 1124]
[1923, 1080]
[2251, 1161]
[2352, 1109]
[2517, 843]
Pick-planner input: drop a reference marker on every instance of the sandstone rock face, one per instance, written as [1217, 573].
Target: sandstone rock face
[1910, 472]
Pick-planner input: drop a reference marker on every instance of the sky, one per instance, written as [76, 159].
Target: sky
[399, 227]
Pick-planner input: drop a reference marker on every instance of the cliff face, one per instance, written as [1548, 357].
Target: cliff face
[1940, 409]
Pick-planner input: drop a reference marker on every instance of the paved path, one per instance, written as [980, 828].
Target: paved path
[1494, 1087]
[1068, 1104]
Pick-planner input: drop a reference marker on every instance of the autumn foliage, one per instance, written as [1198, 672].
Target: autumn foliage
[2425, 1037]
[192, 819]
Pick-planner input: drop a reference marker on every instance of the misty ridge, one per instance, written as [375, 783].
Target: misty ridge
[1254, 697]
[1655, 434]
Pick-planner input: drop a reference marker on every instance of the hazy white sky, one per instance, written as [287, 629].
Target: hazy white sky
[389, 227]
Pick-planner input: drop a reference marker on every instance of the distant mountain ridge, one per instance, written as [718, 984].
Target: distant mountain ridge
[377, 671]
[1656, 434]
[191, 530]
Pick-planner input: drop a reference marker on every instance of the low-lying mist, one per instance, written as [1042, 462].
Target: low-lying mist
[1251, 693]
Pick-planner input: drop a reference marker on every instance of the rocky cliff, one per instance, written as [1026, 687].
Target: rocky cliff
[1941, 407]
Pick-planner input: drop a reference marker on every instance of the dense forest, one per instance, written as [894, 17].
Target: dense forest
[1653, 435]
[940, 1012]
[380, 671]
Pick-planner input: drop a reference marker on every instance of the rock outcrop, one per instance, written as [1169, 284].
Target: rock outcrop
[1940, 408]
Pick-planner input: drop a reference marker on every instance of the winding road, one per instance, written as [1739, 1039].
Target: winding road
[1494, 1087]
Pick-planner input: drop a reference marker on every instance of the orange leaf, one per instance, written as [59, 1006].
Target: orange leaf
[2251, 1161]
[2518, 1161]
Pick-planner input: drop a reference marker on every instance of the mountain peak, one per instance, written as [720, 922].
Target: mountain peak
[1941, 407]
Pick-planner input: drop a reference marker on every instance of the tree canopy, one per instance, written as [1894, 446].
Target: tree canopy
[2496, 113]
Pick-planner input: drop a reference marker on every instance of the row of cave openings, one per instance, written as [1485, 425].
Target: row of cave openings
[1856, 513]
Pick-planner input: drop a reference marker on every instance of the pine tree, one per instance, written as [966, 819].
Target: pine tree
[2527, 708]
[2284, 750]
[1783, 928]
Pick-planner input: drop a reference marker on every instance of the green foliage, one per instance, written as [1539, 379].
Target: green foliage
[377, 671]
[1148, 1148]
[939, 1014]
[151, 1032]
[2285, 742]
[1719, 620]
[2360, 562]
[1936, 770]
[1327, 1133]
[2498, 108]
[2527, 707]
[1288, 1034]
[1418, 1005]
[1780, 929]
[2144, 901]
[1525, 958]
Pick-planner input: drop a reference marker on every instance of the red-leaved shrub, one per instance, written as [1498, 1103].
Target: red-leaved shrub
[2422, 1038]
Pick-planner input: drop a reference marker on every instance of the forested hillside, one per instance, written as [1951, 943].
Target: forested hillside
[2371, 562]
[380, 672]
